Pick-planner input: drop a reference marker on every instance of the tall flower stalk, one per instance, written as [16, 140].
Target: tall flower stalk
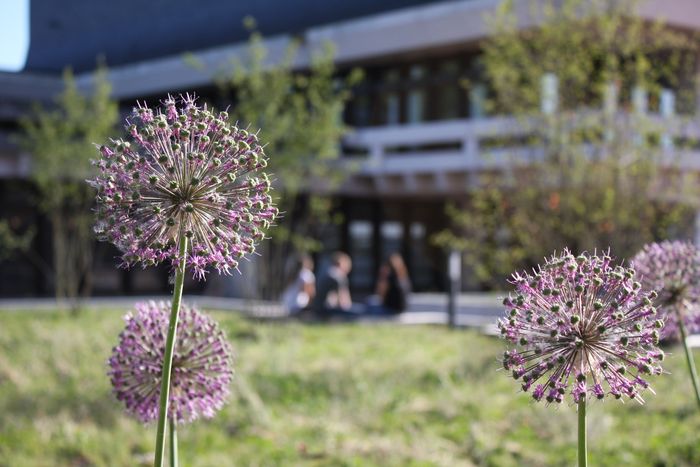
[673, 268]
[168, 363]
[581, 327]
[181, 188]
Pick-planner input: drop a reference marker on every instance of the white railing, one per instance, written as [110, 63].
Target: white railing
[473, 145]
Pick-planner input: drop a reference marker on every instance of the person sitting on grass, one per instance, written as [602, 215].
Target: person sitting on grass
[394, 285]
[301, 289]
[393, 288]
[332, 292]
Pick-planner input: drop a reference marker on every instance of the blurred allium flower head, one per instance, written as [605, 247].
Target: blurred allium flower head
[183, 170]
[582, 326]
[202, 364]
[673, 269]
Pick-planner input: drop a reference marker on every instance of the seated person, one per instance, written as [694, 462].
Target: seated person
[332, 292]
[393, 286]
[299, 293]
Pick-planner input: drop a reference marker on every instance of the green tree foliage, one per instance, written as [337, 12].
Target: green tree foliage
[595, 174]
[300, 117]
[61, 141]
[12, 242]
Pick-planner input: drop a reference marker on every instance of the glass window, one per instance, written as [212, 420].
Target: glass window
[448, 91]
[415, 105]
[477, 101]
[362, 274]
[361, 111]
[392, 109]
[391, 100]
[392, 76]
[420, 268]
[417, 72]
[392, 235]
[448, 101]
[449, 68]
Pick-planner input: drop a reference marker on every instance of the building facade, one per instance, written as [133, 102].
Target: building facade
[421, 135]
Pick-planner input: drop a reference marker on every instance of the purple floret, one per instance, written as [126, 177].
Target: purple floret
[202, 364]
[673, 269]
[581, 326]
[183, 170]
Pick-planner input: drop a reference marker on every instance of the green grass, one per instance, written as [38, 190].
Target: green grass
[349, 395]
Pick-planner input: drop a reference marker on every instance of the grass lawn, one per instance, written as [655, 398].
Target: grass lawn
[342, 395]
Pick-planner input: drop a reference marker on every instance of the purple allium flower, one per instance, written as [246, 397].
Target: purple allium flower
[673, 269]
[183, 170]
[584, 327]
[202, 364]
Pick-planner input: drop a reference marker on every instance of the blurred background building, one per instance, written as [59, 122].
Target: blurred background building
[422, 131]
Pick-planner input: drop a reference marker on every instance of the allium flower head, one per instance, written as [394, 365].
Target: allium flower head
[673, 269]
[583, 327]
[183, 170]
[202, 364]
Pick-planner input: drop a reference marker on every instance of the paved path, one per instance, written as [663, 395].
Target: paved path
[474, 309]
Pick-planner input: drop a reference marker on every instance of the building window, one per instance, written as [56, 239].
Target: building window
[448, 94]
[361, 115]
[477, 101]
[392, 237]
[392, 109]
[415, 112]
[420, 268]
[360, 247]
[448, 102]
[390, 97]
[438, 89]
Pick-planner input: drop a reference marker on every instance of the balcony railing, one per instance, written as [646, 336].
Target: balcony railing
[491, 143]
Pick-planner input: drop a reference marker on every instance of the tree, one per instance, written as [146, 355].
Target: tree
[61, 141]
[300, 117]
[603, 175]
[12, 242]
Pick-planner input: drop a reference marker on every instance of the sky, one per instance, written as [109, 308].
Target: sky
[14, 34]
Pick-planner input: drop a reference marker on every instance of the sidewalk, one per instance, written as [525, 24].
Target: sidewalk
[473, 309]
[476, 310]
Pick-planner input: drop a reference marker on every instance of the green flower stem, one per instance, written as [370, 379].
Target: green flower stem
[582, 444]
[173, 443]
[168, 357]
[689, 357]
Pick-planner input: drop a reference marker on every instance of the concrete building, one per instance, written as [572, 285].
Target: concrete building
[420, 136]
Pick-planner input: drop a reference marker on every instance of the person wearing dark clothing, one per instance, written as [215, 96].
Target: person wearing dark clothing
[394, 285]
[332, 291]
